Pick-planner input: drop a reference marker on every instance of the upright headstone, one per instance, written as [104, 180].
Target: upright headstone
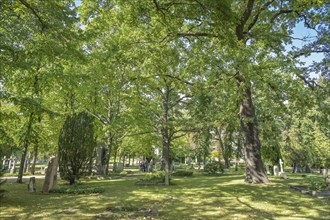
[282, 174]
[151, 165]
[267, 167]
[281, 165]
[51, 175]
[13, 167]
[172, 166]
[32, 184]
[119, 167]
[4, 161]
[10, 163]
[276, 171]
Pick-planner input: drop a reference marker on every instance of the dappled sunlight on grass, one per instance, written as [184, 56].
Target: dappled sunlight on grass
[198, 197]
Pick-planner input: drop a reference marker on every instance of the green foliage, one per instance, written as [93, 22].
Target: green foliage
[76, 146]
[156, 178]
[214, 167]
[182, 173]
[316, 183]
[76, 189]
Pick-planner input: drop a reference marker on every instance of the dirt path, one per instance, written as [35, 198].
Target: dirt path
[12, 179]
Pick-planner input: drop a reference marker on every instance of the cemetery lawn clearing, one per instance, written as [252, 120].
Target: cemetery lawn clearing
[197, 197]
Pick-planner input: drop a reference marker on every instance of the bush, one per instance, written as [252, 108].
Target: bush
[157, 178]
[213, 167]
[76, 189]
[183, 173]
[76, 146]
[124, 172]
[316, 184]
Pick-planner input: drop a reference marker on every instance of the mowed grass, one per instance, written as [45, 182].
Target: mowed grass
[197, 197]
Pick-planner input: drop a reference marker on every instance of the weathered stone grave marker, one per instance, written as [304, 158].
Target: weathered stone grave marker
[276, 171]
[13, 166]
[267, 167]
[51, 175]
[32, 184]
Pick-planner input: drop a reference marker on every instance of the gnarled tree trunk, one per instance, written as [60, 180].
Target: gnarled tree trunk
[252, 149]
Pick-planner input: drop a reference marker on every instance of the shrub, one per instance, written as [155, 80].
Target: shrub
[316, 184]
[76, 146]
[76, 189]
[183, 173]
[213, 167]
[157, 178]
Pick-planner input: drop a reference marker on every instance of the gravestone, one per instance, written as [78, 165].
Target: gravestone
[101, 159]
[10, 163]
[4, 160]
[281, 166]
[51, 175]
[267, 167]
[151, 165]
[13, 167]
[32, 184]
[119, 166]
[282, 174]
[172, 166]
[325, 172]
[276, 171]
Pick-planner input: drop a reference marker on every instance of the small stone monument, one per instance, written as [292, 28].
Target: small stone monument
[4, 161]
[119, 166]
[51, 175]
[10, 161]
[267, 167]
[151, 165]
[32, 184]
[282, 174]
[276, 172]
[13, 166]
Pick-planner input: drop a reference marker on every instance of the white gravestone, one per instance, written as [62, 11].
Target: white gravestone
[281, 165]
[267, 167]
[282, 174]
[276, 172]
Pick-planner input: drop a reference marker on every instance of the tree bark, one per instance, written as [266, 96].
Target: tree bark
[222, 147]
[248, 120]
[25, 148]
[34, 161]
[252, 149]
[110, 142]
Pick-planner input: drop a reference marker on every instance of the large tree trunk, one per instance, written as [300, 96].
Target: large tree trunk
[222, 148]
[166, 154]
[252, 150]
[110, 142]
[25, 149]
[34, 161]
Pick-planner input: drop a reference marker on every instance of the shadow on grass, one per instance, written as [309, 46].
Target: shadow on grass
[198, 197]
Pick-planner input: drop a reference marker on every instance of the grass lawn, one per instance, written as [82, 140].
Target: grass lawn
[197, 197]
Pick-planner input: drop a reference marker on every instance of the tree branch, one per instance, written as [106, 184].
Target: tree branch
[198, 34]
[245, 17]
[27, 5]
[256, 17]
[275, 16]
